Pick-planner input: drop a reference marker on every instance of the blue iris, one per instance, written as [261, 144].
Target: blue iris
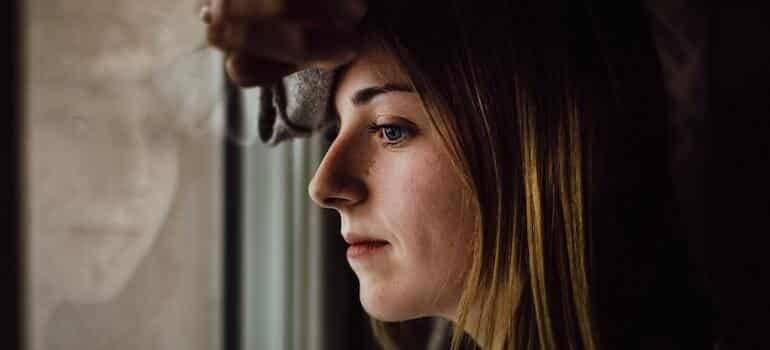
[392, 133]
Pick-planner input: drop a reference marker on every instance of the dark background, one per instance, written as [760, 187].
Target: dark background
[736, 191]
[10, 292]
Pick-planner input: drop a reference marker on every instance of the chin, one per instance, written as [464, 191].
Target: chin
[105, 272]
[383, 314]
[98, 284]
[384, 306]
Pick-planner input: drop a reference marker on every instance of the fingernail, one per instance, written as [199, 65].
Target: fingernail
[205, 14]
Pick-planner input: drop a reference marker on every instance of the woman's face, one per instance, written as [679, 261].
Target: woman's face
[106, 97]
[402, 206]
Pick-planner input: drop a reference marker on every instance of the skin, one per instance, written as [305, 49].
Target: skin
[406, 194]
[264, 40]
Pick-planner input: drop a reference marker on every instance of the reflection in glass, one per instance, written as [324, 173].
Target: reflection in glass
[119, 104]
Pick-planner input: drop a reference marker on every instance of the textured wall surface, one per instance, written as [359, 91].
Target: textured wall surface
[122, 104]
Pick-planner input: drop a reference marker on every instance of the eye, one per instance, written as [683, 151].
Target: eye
[391, 134]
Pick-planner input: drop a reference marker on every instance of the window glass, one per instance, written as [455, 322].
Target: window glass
[122, 105]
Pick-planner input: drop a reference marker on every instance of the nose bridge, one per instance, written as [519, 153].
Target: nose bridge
[337, 180]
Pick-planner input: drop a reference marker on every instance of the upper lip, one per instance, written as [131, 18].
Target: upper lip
[357, 238]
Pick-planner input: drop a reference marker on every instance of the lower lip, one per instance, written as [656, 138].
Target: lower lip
[362, 250]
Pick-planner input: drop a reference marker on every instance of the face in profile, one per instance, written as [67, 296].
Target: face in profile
[111, 86]
[403, 208]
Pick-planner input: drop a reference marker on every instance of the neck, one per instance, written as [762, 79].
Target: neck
[471, 319]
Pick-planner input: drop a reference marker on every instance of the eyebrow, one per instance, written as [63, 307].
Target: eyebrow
[363, 96]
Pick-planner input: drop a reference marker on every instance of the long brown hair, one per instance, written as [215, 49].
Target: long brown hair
[553, 114]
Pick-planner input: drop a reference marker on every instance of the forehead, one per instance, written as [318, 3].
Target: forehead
[374, 66]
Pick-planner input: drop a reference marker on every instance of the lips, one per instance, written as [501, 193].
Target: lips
[355, 238]
[362, 246]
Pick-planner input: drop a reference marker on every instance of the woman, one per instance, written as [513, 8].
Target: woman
[504, 166]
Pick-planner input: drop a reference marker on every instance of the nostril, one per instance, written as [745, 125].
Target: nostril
[335, 202]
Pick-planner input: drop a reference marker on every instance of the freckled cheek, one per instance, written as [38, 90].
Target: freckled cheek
[400, 208]
[430, 222]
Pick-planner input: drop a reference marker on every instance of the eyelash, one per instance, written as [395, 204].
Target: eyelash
[407, 133]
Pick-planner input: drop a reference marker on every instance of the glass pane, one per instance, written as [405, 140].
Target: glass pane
[122, 102]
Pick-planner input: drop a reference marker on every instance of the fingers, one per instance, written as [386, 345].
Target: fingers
[340, 11]
[267, 39]
[253, 9]
[246, 71]
[306, 11]
[290, 43]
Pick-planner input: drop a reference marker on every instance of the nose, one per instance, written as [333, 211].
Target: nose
[338, 183]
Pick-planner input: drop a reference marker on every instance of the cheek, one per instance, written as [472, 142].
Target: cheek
[421, 201]
[431, 221]
[442, 225]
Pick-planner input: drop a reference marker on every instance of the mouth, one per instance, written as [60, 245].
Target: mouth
[362, 247]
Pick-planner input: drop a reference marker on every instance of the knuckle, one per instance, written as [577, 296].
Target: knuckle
[234, 68]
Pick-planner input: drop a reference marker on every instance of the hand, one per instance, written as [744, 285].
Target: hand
[265, 40]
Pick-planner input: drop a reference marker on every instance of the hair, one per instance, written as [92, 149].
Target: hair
[553, 113]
